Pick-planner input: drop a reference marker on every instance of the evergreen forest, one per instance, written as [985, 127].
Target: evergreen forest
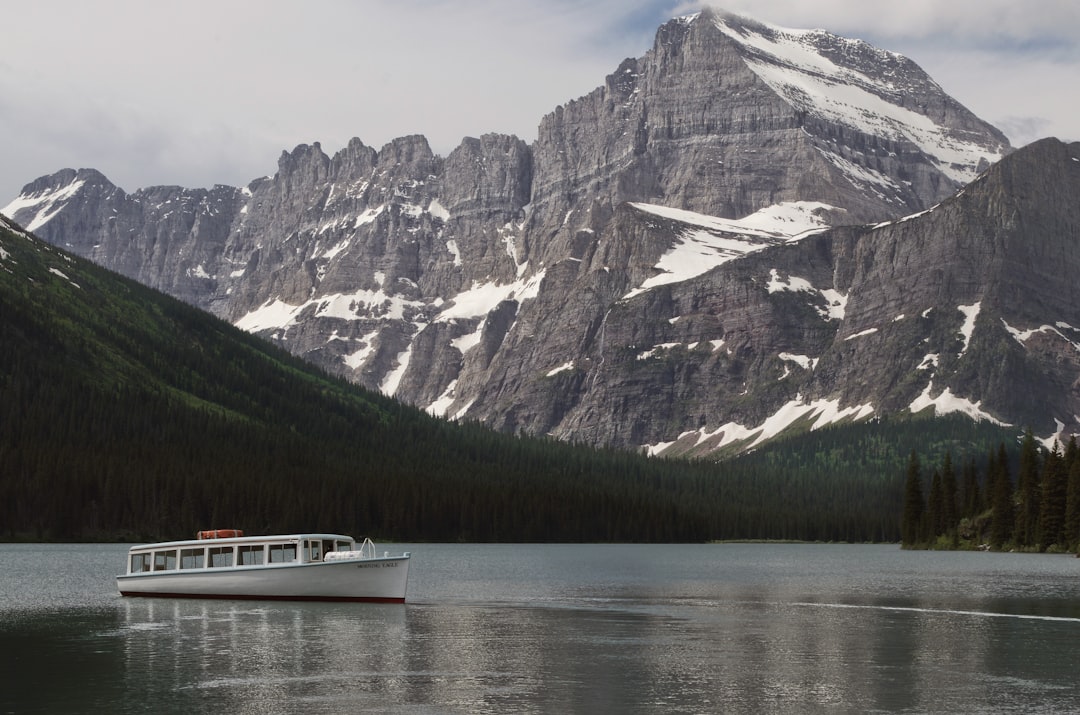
[973, 505]
[127, 415]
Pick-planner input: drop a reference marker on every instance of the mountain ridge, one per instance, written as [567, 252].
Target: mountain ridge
[513, 283]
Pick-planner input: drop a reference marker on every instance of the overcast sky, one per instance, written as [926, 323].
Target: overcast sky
[203, 92]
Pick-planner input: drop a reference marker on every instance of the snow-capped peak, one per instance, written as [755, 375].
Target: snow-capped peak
[855, 84]
[45, 203]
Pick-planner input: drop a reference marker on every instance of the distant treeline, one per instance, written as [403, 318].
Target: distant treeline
[124, 465]
[969, 507]
[88, 463]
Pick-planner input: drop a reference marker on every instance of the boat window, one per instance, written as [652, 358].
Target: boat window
[343, 546]
[192, 558]
[327, 546]
[140, 562]
[220, 556]
[282, 553]
[250, 555]
[165, 560]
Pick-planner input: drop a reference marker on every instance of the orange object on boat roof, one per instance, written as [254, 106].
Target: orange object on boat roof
[219, 534]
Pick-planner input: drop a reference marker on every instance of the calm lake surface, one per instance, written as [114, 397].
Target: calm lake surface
[730, 628]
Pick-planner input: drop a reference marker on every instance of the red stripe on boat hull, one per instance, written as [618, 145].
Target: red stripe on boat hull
[237, 597]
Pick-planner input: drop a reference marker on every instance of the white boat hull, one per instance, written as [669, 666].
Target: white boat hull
[377, 580]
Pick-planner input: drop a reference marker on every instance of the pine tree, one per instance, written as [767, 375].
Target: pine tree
[1052, 505]
[935, 508]
[972, 495]
[911, 524]
[1001, 496]
[1027, 493]
[1071, 534]
[949, 517]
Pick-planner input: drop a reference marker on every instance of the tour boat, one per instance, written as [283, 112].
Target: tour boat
[223, 563]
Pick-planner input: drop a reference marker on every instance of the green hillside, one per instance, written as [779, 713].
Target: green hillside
[125, 414]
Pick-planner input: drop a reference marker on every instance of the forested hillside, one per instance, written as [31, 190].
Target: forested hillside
[983, 505]
[125, 414]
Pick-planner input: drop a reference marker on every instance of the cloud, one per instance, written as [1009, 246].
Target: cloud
[133, 146]
[1027, 99]
[209, 92]
[212, 92]
[974, 22]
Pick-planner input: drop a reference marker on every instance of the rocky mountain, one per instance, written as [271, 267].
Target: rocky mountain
[745, 229]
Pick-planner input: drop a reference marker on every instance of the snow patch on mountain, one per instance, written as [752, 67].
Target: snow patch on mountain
[1058, 437]
[392, 381]
[861, 333]
[330, 253]
[58, 272]
[835, 302]
[710, 241]
[946, 402]
[439, 407]
[656, 350]
[786, 220]
[873, 181]
[806, 363]
[909, 217]
[1022, 336]
[438, 211]
[368, 216]
[482, 298]
[565, 367]
[452, 247]
[470, 340]
[971, 312]
[276, 313]
[819, 412]
[46, 203]
[356, 359]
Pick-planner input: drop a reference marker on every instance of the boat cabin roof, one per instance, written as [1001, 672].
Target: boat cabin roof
[230, 540]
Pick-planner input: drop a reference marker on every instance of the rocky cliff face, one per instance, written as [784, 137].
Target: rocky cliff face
[630, 277]
[970, 306]
[163, 236]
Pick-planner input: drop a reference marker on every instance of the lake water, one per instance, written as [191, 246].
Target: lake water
[729, 628]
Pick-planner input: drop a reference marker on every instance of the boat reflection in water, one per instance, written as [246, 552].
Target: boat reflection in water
[190, 655]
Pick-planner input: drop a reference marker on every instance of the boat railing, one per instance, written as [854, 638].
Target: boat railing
[366, 551]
